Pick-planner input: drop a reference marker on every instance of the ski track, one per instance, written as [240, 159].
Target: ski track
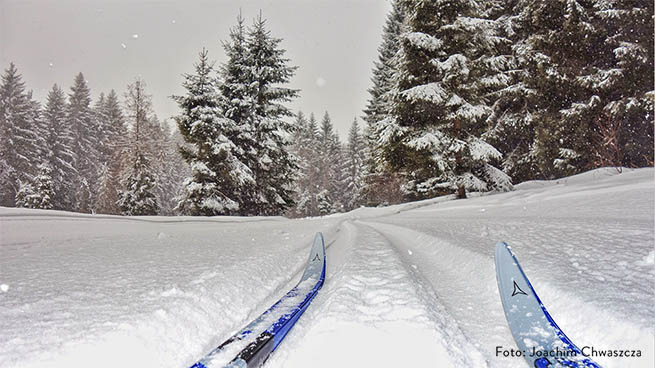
[406, 285]
[593, 272]
[371, 304]
[164, 306]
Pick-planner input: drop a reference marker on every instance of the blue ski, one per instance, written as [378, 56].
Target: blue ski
[264, 334]
[540, 340]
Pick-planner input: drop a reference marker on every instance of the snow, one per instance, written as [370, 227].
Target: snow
[432, 92]
[406, 285]
[423, 41]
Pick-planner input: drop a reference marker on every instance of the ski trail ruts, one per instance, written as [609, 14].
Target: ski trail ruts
[467, 282]
[371, 313]
[263, 304]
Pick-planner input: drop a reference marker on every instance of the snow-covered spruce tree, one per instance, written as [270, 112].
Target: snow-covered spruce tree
[114, 143]
[381, 183]
[109, 181]
[562, 47]
[328, 164]
[624, 84]
[85, 143]
[137, 196]
[304, 148]
[168, 165]
[378, 106]
[434, 132]
[59, 150]
[274, 168]
[19, 140]
[176, 170]
[38, 191]
[235, 96]
[219, 176]
[354, 168]
[511, 125]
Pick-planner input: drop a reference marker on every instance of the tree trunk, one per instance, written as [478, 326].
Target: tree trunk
[461, 192]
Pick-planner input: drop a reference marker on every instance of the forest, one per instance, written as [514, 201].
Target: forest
[464, 97]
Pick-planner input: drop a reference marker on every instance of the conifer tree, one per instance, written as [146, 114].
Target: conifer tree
[305, 147]
[38, 191]
[114, 145]
[85, 142]
[354, 168]
[138, 194]
[625, 85]
[434, 133]
[19, 142]
[378, 106]
[59, 150]
[329, 173]
[275, 168]
[219, 176]
[563, 107]
[109, 181]
[138, 198]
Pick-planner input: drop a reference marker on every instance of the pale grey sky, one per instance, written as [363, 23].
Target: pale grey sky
[334, 43]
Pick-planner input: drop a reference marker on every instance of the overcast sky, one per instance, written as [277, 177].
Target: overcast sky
[334, 43]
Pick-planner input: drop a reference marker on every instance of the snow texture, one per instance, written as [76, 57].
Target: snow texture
[406, 285]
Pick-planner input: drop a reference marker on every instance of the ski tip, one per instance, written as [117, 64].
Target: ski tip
[502, 247]
[318, 238]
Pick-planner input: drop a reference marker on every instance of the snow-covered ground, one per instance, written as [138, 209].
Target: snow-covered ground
[406, 285]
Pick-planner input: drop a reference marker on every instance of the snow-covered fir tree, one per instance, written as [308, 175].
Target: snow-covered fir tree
[114, 144]
[305, 146]
[624, 84]
[329, 179]
[174, 172]
[219, 174]
[378, 106]
[434, 133]
[85, 142]
[562, 108]
[38, 191]
[381, 184]
[168, 165]
[354, 168]
[137, 196]
[511, 125]
[20, 143]
[275, 168]
[59, 156]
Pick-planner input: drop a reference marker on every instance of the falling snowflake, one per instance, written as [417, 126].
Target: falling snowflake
[135, 36]
[320, 81]
[124, 46]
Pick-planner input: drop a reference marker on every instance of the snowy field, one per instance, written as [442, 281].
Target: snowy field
[407, 285]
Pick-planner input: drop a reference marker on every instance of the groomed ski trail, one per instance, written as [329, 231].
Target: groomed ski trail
[373, 311]
[466, 281]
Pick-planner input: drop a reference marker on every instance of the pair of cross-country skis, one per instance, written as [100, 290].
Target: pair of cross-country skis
[533, 328]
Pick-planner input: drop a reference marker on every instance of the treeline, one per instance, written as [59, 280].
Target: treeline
[331, 174]
[476, 95]
[466, 96]
[110, 156]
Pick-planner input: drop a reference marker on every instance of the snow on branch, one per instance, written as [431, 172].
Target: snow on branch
[423, 41]
[431, 92]
[483, 151]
